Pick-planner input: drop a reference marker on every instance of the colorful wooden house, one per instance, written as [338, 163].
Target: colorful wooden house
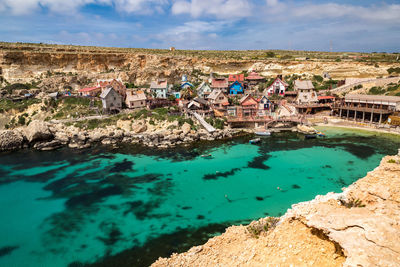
[265, 104]
[236, 78]
[159, 88]
[236, 88]
[90, 91]
[117, 84]
[135, 98]
[278, 87]
[186, 85]
[220, 84]
[198, 104]
[306, 92]
[204, 90]
[218, 99]
[111, 99]
[249, 106]
[254, 78]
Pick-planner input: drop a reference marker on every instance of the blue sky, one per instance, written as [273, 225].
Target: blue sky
[360, 25]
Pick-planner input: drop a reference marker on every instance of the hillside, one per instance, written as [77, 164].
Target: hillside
[54, 67]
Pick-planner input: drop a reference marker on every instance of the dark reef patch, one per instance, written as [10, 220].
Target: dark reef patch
[113, 234]
[259, 198]
[295, 186]
[258, 162]
[147, 178]
[124, 166]
[7, 250]
[95, 196]
[162, 246]
[327, 167]
[220, 174]
[200, 217]
[142, 210]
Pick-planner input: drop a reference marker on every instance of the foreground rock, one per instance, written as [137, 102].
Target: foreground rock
[10, 140]
[38, 131]
[359, 227]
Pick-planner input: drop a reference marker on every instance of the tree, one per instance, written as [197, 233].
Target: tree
[171, 98]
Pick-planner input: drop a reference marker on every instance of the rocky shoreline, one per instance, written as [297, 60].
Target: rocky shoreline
[44, 136]
[358, 227]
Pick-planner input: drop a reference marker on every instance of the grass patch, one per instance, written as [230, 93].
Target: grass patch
[6, 104]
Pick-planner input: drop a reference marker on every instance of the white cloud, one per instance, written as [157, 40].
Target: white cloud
[198, 27]
[309, 11]
[217, 8]
[22, 7]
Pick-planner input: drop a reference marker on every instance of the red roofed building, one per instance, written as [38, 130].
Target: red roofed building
[236, 77]
[255, 78]
[220, 84]
[249, 106]
[90, 91]
[278, 87]
[117, 84]
[326, 99]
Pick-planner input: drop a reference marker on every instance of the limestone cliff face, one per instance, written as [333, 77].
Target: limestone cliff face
[359, 227]
[75, 66]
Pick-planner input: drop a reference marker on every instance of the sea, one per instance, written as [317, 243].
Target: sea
[130, 205]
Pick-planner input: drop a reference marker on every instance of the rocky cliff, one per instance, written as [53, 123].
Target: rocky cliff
[58, 66]
[358, 227]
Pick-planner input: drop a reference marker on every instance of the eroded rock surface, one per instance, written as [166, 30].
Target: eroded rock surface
[10, 140]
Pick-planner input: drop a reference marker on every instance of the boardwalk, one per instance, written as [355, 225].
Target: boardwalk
[205, 124]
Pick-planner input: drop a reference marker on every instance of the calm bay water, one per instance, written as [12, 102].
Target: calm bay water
[128, 206]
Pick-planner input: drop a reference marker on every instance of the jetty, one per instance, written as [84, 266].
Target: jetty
[205, 124]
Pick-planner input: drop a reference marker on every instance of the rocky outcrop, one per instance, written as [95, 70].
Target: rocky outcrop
[10, 140]
[59, 66]
[37, 131]
[359, 227]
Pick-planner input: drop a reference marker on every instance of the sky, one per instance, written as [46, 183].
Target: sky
[359, 25]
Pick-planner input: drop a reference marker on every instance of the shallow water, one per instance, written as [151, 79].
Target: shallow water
[128, 206]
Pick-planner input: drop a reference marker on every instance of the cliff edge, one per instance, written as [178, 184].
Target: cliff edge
[358, 227]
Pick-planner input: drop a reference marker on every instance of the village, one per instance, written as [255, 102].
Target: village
[165, 114]
[241, 102]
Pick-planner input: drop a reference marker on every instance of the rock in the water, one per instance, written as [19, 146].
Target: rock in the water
[45, 146]
[10, 140]
[38, 131]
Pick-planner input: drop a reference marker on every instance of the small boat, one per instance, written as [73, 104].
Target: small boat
[207, 156]
[265, 133]
[321, 134]
[310, 136]
[255, 141]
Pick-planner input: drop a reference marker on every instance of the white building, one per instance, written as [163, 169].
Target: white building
[306, 93]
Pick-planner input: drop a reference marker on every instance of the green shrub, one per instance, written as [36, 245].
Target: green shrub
[318, 78]
[258, 227]
[393, 70]
[376, 91]
[391, 161]
[21, 120]
[353, 203]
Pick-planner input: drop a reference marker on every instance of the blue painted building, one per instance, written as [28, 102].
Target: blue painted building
[236, 88]
[186, 85]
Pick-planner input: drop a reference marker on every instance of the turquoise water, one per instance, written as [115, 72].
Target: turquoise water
[128, 206]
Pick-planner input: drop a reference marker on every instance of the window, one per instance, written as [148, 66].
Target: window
[115, 98]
